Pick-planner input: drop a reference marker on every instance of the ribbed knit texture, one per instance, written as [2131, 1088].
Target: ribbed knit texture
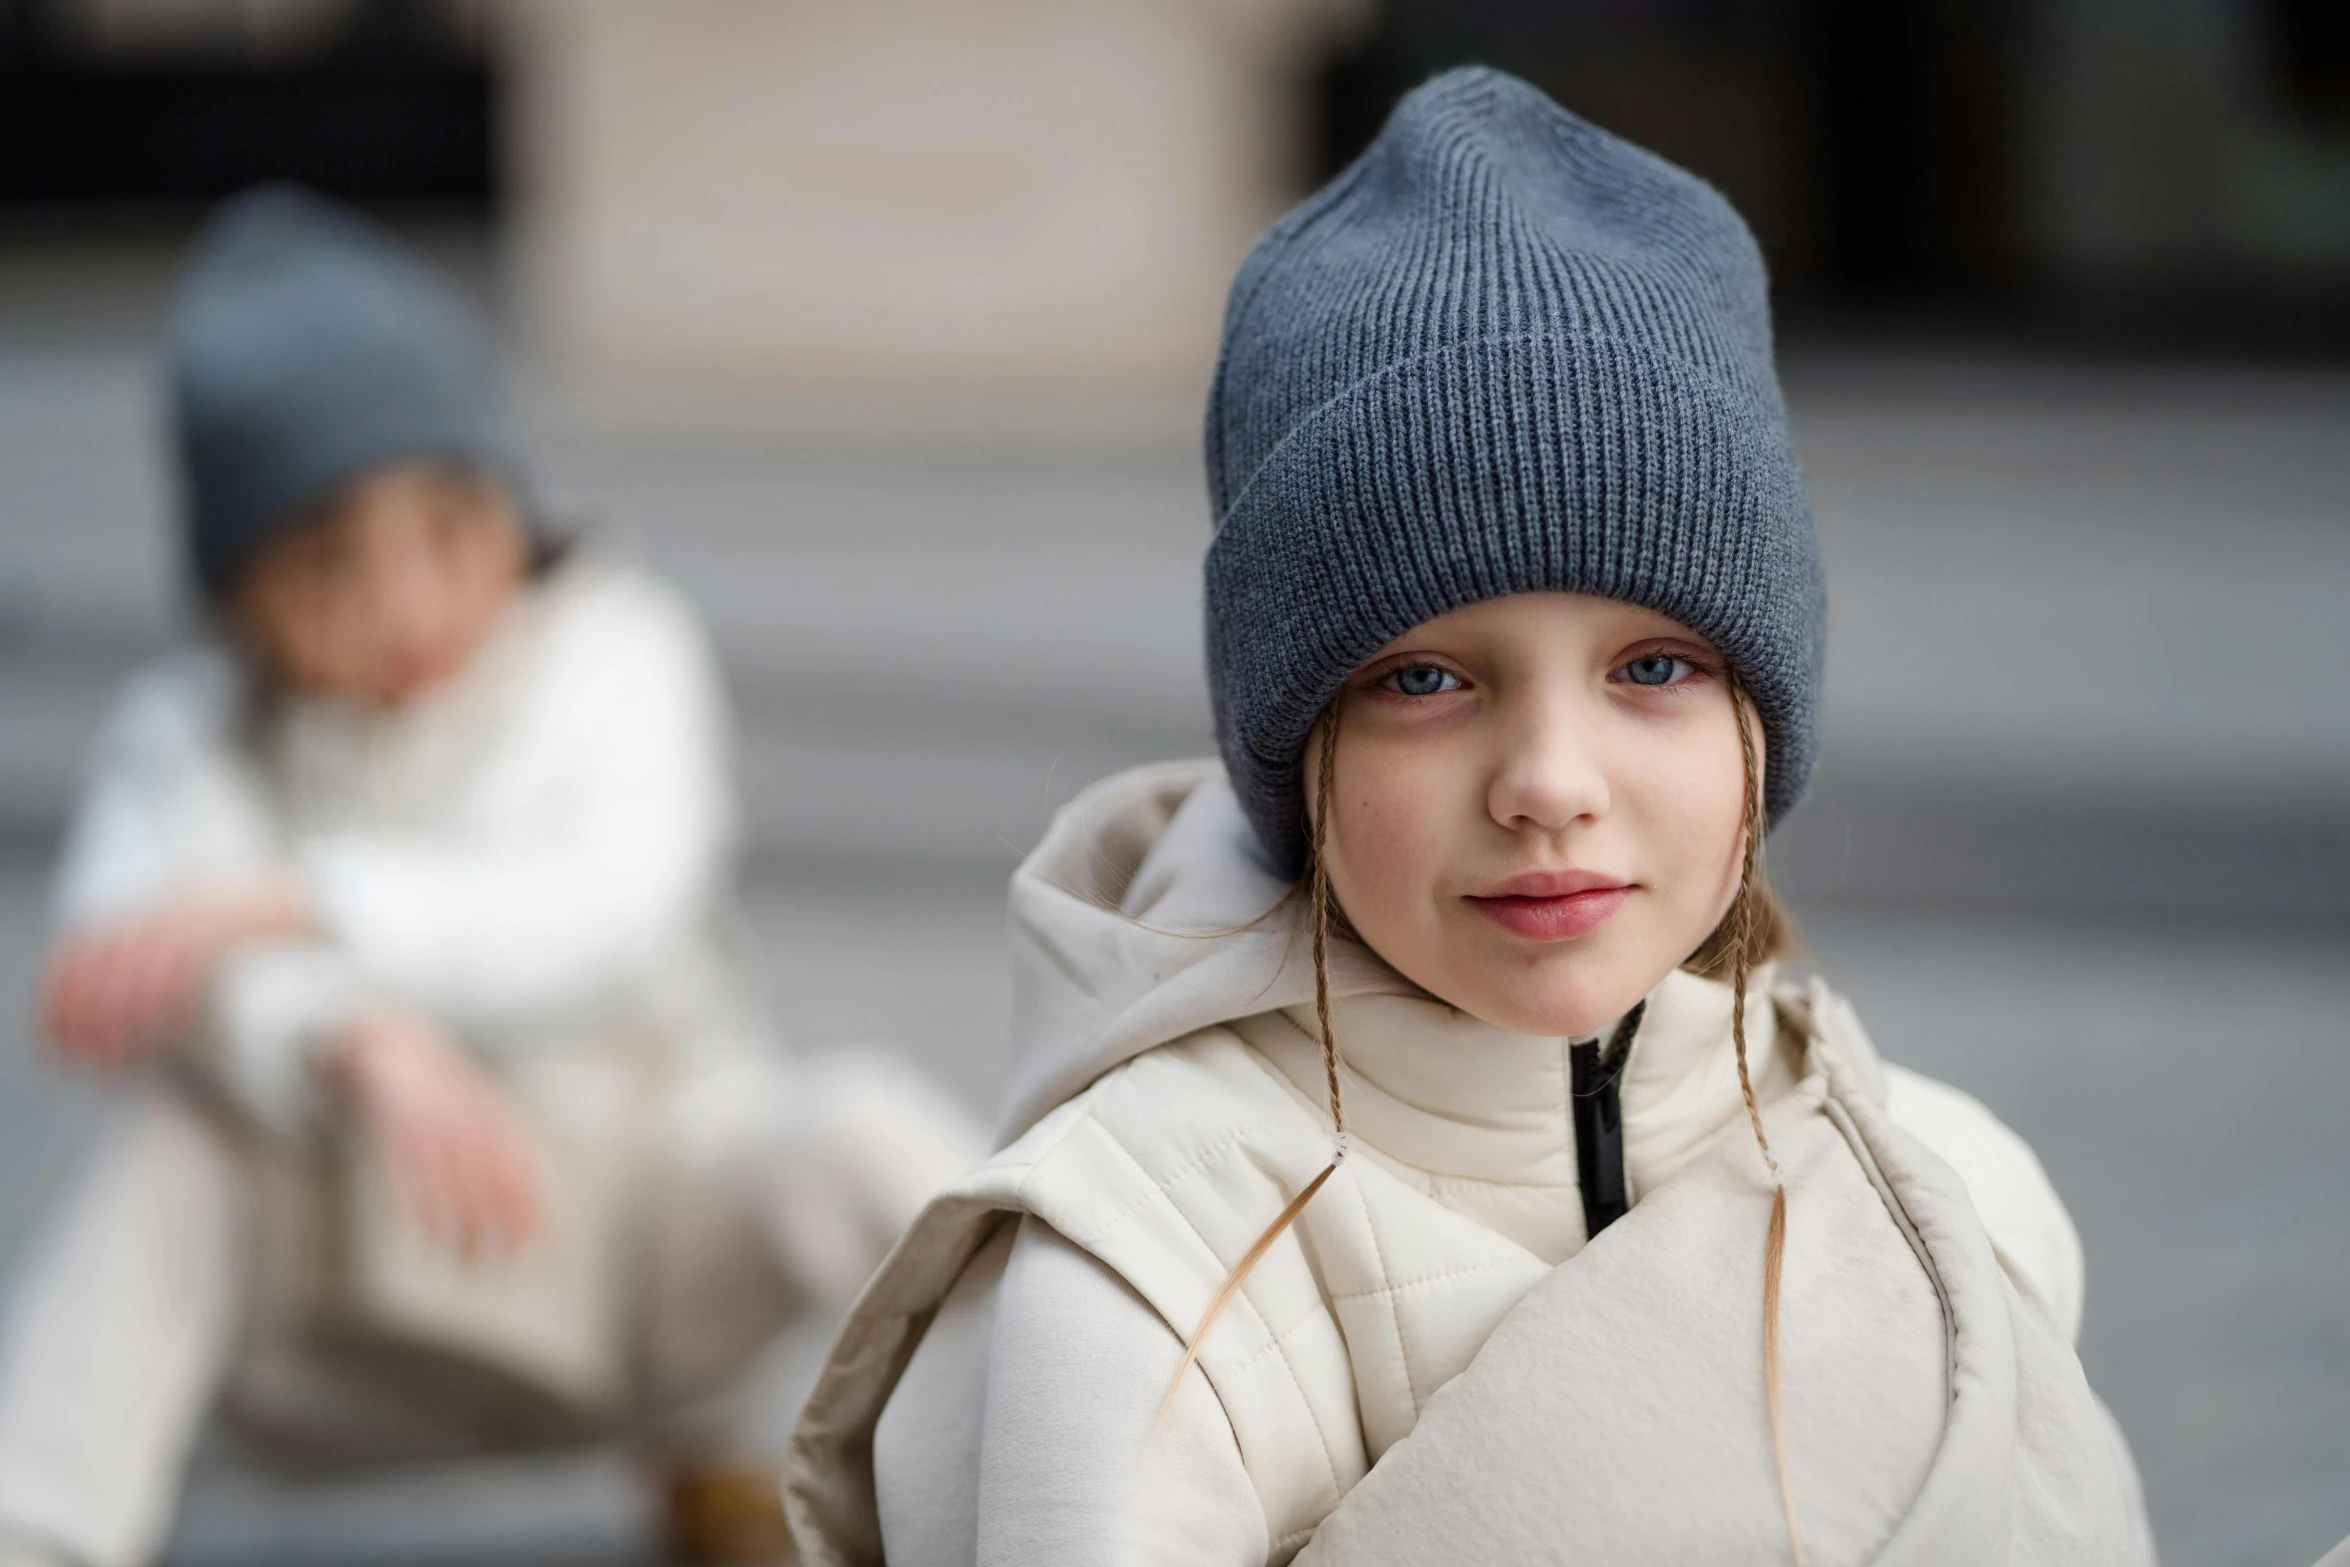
[304, 347]
[1504, 352]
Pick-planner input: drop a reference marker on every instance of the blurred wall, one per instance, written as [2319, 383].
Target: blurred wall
[916, 215]
[898, 215]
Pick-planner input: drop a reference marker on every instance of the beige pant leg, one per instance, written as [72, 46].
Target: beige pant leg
[712, 1292]
[124, 1319]
[780, 1186]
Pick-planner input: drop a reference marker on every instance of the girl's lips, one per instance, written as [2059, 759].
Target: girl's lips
[1553, 905]
[1553, 884]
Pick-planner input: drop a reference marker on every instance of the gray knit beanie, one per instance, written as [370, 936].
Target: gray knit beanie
[305, 346]
[1504, 352]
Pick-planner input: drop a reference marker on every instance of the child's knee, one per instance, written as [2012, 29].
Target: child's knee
[167, 1174]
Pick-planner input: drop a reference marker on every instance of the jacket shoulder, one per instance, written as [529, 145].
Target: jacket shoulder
[602, 607]
[1161, 1117]
[2013, 1199]
[185, 700]
[2030, 1230]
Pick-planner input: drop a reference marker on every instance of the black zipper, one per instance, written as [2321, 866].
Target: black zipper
[1594, 1077]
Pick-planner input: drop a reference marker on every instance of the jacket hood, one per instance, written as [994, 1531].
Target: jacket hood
[1148, 912]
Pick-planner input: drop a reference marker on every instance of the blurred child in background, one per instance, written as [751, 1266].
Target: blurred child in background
[403, 915]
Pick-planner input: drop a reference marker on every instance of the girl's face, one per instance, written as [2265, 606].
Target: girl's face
[1537, 804]
[390, 590]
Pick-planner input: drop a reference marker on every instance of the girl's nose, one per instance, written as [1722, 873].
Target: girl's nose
[1549, 775]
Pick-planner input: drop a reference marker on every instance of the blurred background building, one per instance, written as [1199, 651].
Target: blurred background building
[884, 327]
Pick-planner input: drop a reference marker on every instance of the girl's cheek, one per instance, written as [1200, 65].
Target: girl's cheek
[1680, 795]
[1707, 799]
[1364, 844]
[1399, 830]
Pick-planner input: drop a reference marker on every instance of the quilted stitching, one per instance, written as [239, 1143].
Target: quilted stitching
[1386, 1291]
[1399, 1286]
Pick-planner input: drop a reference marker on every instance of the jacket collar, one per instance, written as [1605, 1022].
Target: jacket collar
[1482, 1118]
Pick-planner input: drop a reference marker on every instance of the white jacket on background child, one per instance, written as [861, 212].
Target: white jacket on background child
[537, 856]
[541, 846]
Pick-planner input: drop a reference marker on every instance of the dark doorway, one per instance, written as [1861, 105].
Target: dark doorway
[394, 107]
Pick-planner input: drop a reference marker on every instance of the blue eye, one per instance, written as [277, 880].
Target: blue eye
[1423, 680]
[1654, 669]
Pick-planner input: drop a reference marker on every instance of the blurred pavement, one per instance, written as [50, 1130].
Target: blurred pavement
[2081, 841]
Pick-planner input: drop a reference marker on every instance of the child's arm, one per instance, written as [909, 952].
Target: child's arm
[170, 863]
[178, 923]
[166, 802]
[459, 1157]
[1029, 1421]
[543, 919]
[178, 927]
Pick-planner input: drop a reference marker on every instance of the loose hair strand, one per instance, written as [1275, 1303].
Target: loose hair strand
[1318, 879]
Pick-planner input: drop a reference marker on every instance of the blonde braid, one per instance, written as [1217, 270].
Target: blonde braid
[1743, 930]
[1326, 773]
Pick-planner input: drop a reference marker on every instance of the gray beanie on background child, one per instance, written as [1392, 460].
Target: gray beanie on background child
[1504, 352]
[305, 346]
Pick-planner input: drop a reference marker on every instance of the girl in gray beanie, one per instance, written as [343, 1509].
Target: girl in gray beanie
[1414, 1152]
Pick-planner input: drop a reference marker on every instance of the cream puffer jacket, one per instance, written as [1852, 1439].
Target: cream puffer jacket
[1434, 1364]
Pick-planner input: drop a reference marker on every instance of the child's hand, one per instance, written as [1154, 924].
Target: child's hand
[113, 994]
[459, 1157]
